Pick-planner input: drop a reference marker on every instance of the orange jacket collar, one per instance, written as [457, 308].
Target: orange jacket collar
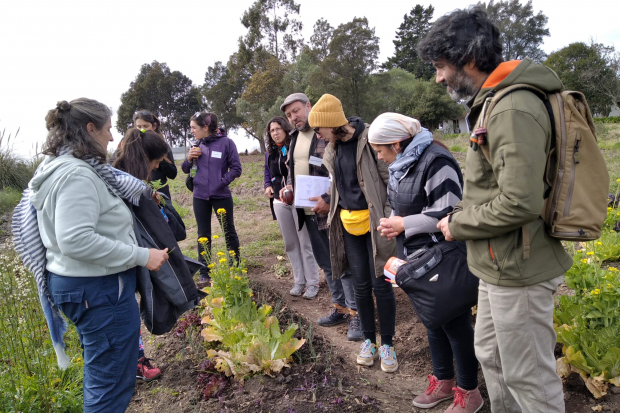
[500, 73]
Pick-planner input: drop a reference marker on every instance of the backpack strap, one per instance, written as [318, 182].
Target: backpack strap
[478, 138]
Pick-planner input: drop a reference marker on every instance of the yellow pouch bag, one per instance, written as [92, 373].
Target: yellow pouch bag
[355, 222]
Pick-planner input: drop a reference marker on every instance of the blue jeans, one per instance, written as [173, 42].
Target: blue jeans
[105, 313]
[340, 288]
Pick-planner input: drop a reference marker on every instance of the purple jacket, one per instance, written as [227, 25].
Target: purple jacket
[218, 166]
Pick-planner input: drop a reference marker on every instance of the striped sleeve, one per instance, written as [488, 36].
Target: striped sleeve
[443, 191]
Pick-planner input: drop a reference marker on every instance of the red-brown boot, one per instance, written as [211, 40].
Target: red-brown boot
[436, 392]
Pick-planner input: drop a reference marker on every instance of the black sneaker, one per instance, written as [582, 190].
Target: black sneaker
[355, 329]
[333, 318]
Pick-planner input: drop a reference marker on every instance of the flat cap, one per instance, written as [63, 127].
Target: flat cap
[295, 97]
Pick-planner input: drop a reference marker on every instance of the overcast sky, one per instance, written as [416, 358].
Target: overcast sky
[52, 50]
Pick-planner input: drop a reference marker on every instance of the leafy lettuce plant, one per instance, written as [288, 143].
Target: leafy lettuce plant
[250, 337]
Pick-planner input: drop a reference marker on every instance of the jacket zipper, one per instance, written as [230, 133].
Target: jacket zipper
[495, 266]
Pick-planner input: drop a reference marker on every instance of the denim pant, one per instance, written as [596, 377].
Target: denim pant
[362, 265]
[340, 288]
[105, 313]
[202, 212]
[455, 338]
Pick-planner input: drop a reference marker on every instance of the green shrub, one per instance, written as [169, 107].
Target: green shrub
[15, 172]
[30, 380]
[610, 119]
[9, 198]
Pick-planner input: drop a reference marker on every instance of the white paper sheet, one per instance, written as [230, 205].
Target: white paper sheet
[307, 186]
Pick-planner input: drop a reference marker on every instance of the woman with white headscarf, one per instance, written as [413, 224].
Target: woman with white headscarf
[425, 185]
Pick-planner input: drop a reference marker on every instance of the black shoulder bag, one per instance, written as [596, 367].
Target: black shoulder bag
[438, 282]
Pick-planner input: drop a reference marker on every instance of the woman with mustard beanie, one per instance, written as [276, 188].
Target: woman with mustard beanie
[358, 203]
[425, 184]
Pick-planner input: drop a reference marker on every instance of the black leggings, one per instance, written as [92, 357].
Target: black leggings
[365, 281]
[202, 212]
[455, 338]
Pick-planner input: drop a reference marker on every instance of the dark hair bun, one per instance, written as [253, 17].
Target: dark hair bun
[63, 105]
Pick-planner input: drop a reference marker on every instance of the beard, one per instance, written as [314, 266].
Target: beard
[460, 86]
[304, 127]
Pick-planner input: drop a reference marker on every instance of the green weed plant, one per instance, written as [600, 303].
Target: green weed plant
[588, 323]
[30, 380]
[249, 337]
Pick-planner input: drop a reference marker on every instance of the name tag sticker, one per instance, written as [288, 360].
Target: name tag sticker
[216, 154]
[316, 161]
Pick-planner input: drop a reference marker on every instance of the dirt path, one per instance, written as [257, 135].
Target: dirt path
[324, 376]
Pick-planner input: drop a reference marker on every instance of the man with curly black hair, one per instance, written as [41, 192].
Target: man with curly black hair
[518, 263]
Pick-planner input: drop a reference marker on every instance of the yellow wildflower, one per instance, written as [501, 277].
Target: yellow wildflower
[617, 180]
[221, 211]
[599, 243]
[251, 294]
[609, 208]
[244, 271]
[211, 265]
[596, 291]
[203, 239]
[583, 260]
[237, 277]
[231, 252]
[590, 253]
[204, 253]
[222, 260]
[216, 236]
[220, 254]
[612, 269]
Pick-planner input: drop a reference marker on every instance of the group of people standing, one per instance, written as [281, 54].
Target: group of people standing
[393, 190]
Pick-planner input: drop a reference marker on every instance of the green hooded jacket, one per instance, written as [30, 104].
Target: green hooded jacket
[502, 197]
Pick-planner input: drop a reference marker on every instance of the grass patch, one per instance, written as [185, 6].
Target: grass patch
[30, 380]
[9, 198]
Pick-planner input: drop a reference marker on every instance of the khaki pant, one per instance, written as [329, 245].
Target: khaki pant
[514, 340]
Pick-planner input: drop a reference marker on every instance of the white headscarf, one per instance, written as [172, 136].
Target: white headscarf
[392, 127]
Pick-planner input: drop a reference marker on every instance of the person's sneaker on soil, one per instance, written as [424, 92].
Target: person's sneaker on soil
[311, 292]
[297, 290]
[368, 353]
[333, 318]
[436, 392]
[355, 328]
[389, 364]
[146, 371]
[466, 401]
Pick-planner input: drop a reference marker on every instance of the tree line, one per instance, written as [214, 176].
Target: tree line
[273, 60]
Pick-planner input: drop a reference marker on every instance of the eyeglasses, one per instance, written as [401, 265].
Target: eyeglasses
[274, 130]
[316, 130]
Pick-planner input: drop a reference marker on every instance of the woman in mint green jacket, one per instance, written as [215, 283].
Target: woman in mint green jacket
[87, 246]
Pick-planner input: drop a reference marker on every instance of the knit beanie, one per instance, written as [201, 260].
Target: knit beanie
[327, 113]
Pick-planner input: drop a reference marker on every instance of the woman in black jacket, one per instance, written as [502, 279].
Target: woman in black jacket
[296, 242]
[145, 120]
[425, 184]
[140, 154]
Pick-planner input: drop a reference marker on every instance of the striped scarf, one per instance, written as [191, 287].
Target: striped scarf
[28, 244]
[399, 168]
